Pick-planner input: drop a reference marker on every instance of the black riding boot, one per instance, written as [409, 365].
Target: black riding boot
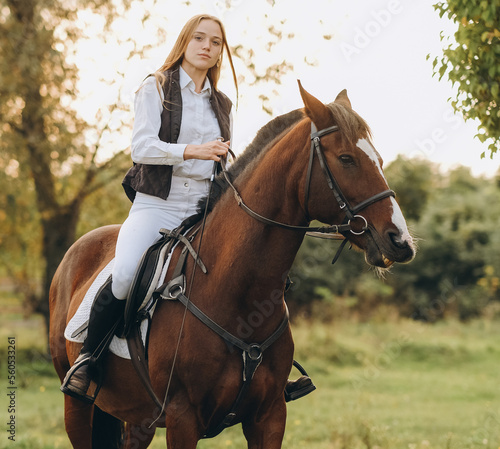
[105, 313]
[296, 389]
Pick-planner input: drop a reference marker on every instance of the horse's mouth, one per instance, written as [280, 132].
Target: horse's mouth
[373, 256]
[378, 259]
[383, 253]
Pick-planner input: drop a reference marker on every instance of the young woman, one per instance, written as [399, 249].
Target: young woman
[182, 124]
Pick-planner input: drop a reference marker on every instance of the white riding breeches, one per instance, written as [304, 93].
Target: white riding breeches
[141, 229]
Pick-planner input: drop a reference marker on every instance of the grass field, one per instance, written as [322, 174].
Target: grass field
[390, 385]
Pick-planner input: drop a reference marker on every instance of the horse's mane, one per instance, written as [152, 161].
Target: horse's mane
[351, 127]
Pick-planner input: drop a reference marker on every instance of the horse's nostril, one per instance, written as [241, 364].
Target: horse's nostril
[397, 241]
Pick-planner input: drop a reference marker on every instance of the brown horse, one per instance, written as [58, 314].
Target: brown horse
[247, 261]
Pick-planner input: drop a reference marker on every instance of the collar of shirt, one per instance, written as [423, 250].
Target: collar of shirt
[185, 80]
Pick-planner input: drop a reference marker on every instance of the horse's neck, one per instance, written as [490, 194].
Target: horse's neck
[253, 259]
[271, 190]
[270, 187]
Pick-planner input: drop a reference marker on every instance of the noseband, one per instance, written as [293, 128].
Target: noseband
[350, 211]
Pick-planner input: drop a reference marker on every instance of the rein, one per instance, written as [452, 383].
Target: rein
[351, 212]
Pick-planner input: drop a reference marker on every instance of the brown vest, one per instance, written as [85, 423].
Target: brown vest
[156, 179]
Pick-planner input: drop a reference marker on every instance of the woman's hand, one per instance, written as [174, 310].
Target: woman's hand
[210, 151]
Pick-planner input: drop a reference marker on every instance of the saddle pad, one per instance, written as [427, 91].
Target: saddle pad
[118, 346]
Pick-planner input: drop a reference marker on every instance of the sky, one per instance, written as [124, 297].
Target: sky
[376, 49]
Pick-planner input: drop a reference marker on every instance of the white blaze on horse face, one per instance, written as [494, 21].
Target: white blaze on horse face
[367, 148]
[397, 216]
[400, 222]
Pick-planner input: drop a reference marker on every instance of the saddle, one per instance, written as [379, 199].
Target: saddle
[140, 299]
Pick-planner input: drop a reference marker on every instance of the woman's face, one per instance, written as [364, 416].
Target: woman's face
[204, 48]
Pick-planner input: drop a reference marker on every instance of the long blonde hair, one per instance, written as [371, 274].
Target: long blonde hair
[174, 59]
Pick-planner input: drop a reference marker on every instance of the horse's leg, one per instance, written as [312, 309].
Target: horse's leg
[182, 426]
[78, 422]
[269, 430]
[138, 437]
[181, 438]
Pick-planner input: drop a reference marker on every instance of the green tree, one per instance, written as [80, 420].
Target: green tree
[45, 147]
[473, 64]
[20, 241]
[458, 241]
[413, 181]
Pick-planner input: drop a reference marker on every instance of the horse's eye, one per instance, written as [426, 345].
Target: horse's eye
[346, 160]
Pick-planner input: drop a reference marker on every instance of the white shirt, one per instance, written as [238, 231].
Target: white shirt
[199, 125]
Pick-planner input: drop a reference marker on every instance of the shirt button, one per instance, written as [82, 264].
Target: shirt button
[186, 184]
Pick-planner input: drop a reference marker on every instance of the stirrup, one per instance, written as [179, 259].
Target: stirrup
[76, 393]
[305, 385]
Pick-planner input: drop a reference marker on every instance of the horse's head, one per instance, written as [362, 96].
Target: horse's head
[351, 173]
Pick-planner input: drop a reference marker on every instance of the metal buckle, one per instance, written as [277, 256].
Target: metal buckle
[174, 288]
[174, 291]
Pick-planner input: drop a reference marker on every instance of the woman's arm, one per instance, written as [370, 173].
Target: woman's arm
[147, 148]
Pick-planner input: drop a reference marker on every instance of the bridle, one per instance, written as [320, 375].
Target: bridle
[351, 212]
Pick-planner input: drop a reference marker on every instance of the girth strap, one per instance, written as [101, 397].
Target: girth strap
[139, 361]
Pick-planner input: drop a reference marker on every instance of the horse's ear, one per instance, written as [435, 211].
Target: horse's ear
[315, 110]
[343, 99]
